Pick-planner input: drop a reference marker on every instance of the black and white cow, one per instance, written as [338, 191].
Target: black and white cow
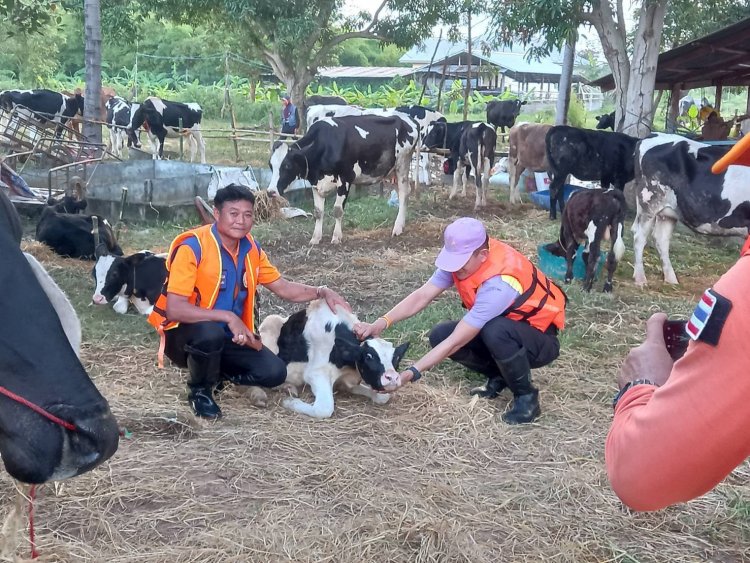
[590, 217]
[40, 336]
[603, 156]
[73, 235]
[476, 153]
[317, 100]
[164, 118]
[321, 350]
[337, 153]
[674, 183]
[136, 279]
[606, 121]
[503, 113]
[120, 114]
[43, 105]
[318, 112]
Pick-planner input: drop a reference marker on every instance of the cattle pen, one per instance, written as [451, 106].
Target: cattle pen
[432, 476]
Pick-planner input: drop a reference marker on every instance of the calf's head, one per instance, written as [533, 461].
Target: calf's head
[376, 359]
[436, 135]
[110, 276]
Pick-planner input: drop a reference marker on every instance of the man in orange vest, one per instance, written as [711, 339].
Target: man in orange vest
[514, 315]
[681, 427]
[205, 314]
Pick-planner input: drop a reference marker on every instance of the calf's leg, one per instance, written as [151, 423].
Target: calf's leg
[641, 228]
[320, 384]
[402, 177]
[662, 235]
[319, 211]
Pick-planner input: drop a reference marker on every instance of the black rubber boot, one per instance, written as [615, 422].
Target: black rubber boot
[204, 374]
[517, 374]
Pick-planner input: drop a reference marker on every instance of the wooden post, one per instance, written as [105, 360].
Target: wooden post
[468, 67]
[417, 170]
[234, 133]
[674, 109]
[442, 84]
[270, 132]
[719, 91]
[179, 123]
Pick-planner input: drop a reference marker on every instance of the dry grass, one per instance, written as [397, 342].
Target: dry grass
[430, 477]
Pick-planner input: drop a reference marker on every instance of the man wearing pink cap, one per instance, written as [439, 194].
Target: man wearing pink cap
[680, 427]
[514, 315]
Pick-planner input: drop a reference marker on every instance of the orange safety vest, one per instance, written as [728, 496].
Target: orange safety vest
[541, 303]
[208, 280]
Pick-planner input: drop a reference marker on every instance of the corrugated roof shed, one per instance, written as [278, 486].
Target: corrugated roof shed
[354, 72]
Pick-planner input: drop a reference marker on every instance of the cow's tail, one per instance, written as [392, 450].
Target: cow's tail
[618, 223]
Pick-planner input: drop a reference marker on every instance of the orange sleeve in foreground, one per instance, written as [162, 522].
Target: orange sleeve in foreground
[674, 443]
[267, 273]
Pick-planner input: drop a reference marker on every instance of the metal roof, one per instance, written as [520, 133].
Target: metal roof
[359, 72]
[721, 58]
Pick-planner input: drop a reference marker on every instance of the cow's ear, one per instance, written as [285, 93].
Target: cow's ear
[349, 348]
[101, 250]
[398, 354]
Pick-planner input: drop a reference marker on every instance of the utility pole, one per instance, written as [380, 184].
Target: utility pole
[468, 68]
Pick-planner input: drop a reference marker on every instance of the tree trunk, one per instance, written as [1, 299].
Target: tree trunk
[92, 132]
[295, 79]
[566, 79]
[639, 94]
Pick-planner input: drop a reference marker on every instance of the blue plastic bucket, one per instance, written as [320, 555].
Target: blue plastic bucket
[541, 199]
[555, 266]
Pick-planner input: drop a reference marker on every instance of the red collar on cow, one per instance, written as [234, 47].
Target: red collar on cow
[709, 317]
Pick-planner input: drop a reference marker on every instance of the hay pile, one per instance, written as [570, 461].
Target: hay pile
[268, 208]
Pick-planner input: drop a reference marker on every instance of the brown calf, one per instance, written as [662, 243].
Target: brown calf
[526, 152]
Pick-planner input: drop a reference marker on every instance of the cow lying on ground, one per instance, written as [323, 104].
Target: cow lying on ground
[503, 113]
[43, 105]
[119, 120]
[601, 156]
[136, 279]
[606, 121]
[526, 151]
[674, 183]
[321, 350]
[164, 119]
[337, 153]
[590, 217]
[73, 235]
[39, 363]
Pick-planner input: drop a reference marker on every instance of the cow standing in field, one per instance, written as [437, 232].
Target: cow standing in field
[503, 113]
[43, 105]
[40, 336]
[674, 183]
[601, 156]
[119, 120]
[322, 351]
[136, 279]
[477, 153]
[590, 217]
[337, 153]
[527, 150]
[606, 121]
[165, 118]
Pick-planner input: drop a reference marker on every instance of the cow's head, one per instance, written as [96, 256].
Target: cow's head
[606, 121]
[376, 359]
[436, 136]
[74, 105]
[110, 276]
[287, 163]
[67, 204]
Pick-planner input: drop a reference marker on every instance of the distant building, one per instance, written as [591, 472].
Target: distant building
[367, 75]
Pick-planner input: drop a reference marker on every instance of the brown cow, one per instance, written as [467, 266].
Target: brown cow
[105, 94]
[526, 151]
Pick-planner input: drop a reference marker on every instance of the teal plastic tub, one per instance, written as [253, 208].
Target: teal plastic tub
[541, 199]
[555, 266]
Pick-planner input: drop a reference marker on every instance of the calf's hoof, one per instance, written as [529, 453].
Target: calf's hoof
[482, 391]
[568, 279]
[289, 389]
[258, 397]
[607, 287]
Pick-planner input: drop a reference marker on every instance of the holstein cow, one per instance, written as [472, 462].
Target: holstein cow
[120, 114]
[603, 156]
[590, 217]
[606, 121]
[36, 315]
[674, 183]
[477, 152]
[526, 151]
[164, 119]
[73, 235]
[316, 100]
[136, 279]
[337, 153]
[443, 135]
[316, 113]
[321, 350]
[44, 105]
[503, 113]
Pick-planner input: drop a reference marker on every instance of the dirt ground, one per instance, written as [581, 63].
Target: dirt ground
[432, 476]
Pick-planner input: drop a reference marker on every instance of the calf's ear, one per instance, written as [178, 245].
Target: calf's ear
[398, 354]
[349, 347]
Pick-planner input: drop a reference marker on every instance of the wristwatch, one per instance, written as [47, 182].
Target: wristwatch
[627, 386]
[416, 372]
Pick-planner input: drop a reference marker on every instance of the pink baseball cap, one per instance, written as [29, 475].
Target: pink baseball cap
[462, 238]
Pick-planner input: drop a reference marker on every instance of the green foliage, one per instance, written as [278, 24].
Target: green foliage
[576, 112]
[686, 20]
[22, 17]
[368, 52]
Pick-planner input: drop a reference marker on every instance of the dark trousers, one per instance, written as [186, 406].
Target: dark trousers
[500, 339]
[286, 131]
[239, 364]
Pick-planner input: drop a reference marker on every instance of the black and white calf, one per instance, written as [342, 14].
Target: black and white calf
[590, 217]
[674, 183]
[603, 156]
[164, 119]
[503, 113]
[73, 235]
[337, 153]
[120, 116]
[606, 121]
[136, 279]
[43, 105]
[477, 153]
[321, 350]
